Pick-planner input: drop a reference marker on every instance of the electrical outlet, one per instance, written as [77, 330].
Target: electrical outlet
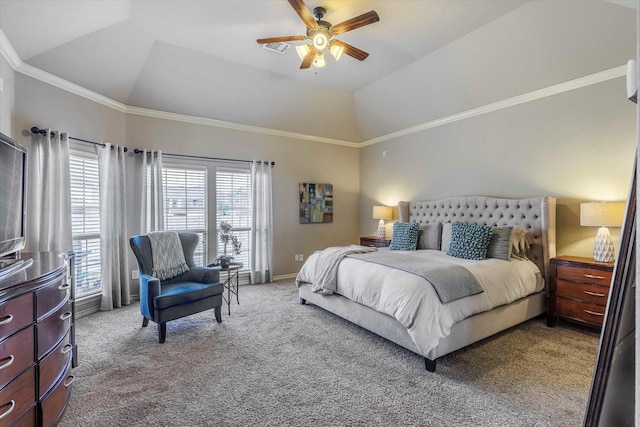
[135, 274]
[301, 257]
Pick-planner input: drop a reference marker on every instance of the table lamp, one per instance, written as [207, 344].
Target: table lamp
[603, 215]
[382, 213]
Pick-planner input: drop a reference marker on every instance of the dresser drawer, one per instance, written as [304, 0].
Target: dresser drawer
[581, 311]
[52, 328]
[584, 275]
[27, 420]
[17, 397]
[50, 297]
[584, 292]
[15, 314]
[17, 353]
[54, 365]
[53, 405]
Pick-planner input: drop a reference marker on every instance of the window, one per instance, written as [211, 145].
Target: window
[185, 204]
[233, 194]
[85, 220]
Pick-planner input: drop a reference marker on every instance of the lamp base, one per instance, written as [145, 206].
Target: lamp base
[603, 249]
[382, 229]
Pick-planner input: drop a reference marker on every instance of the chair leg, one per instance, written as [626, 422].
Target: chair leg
[162, 332]
[145, 322]
[218, 312]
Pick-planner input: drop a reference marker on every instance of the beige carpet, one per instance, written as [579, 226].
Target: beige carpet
[276, 362]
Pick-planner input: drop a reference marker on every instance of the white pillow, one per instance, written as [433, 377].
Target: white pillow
[446, 237]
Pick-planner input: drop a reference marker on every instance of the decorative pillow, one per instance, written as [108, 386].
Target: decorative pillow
[405, 236]
[500, 244]
[469, 241]
[521, 241]
[445, 241]
[429, 236]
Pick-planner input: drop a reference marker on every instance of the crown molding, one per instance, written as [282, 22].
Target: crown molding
[567, 86]
[16, 63]
[235, 126]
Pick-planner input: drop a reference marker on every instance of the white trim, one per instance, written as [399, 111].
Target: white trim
[285, 277]
[14, 60]
[580, 82]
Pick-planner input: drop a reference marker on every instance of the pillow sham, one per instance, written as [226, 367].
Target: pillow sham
[469, 241]
[405, 236]
[429, 236]
[500, 244]
[445, 240]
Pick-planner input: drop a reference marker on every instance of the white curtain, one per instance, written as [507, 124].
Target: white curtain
[114, 241]
[49, 204]
[262, 227]
[152, 208]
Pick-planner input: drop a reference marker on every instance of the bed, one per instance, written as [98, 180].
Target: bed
[453, 324]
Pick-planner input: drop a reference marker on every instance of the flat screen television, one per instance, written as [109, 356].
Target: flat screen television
[13, 194]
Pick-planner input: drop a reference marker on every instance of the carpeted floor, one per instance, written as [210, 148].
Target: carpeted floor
[276, 362]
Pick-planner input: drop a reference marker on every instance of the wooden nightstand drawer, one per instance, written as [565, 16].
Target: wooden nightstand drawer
[374, 241]
[581, 311]
[583, 292]
[584, 275]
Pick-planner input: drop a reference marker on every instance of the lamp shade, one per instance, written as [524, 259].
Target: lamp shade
[602, 214]
[382, 212]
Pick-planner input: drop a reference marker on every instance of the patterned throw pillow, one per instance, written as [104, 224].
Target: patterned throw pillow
[469, 241]
[405, 236]
[500, 244]
[429, 236]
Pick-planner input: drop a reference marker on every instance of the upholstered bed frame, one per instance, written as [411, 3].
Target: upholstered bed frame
[537, 215]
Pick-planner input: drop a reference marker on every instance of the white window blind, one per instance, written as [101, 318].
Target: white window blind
[85, 220]
[233, 194]
[185, 204]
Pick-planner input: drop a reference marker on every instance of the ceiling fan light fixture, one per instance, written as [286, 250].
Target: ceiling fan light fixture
[336, 51]
[319, 62]
[302, 50]
[320, 40]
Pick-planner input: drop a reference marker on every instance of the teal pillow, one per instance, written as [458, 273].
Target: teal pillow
[500, 244]
[405, 236]
[469, 241]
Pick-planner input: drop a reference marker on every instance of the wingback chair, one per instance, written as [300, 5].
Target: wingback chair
[161, 301]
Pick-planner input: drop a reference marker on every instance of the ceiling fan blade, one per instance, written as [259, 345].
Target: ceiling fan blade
[357, 22]
[281, 39]
[352, 51]
[303, 11]
[308, 58]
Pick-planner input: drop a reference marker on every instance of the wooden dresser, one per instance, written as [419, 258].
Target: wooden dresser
[578, 290]
[35, 349]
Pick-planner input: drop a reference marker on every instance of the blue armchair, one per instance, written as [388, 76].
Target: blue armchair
[161, 301]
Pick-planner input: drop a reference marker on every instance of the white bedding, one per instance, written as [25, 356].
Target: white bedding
[412, 301]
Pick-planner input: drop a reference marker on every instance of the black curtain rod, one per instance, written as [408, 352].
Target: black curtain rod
[37, 130]
[138, 151]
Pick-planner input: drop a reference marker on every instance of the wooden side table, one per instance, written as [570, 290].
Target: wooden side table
[578, 290]
[374, 241]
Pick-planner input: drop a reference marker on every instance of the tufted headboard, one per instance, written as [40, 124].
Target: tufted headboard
[537, 215]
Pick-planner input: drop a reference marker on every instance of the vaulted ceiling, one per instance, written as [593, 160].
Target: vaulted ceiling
[201, 58]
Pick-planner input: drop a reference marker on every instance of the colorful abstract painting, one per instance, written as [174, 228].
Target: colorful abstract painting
[316, 203]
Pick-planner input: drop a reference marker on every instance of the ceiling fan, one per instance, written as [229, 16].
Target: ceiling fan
[320, 32]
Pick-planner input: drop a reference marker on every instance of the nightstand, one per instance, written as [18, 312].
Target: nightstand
[578, 290]
[374, 241]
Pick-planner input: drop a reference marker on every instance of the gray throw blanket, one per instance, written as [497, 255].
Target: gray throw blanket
[450, 281]
[167, 255]
[326, 269]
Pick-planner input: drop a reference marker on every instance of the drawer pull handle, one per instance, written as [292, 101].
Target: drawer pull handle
[8, 362]
[65, 315]
[594, 294]
[593, 276]
[66, 349]
[64, 287]
[6, 320]
[69, 381]
[12, 404]
[593, 312]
